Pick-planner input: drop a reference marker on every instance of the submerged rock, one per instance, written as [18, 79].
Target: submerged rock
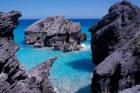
[55, 32]
[115, 48]
[13, 77]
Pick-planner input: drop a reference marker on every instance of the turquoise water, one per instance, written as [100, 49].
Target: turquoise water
[72, 72]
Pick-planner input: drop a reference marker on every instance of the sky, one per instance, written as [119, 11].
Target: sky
[85, 9]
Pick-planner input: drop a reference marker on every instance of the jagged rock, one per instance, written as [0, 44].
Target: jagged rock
[40, 71]
[37, 80]
[55, 32]
[115, 49]
[13, 78]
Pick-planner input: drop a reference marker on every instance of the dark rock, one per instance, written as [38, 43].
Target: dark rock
[115, 49]
[120, 70]
[55, 32]
[13, 77]
[39, 43]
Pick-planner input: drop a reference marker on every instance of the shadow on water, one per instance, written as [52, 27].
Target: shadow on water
[86, 89]
[82, 64]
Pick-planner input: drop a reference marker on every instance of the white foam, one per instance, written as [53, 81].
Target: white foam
[85, 47]
[56, 90]
[42, 48]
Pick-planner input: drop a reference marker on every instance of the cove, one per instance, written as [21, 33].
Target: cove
[72, 72]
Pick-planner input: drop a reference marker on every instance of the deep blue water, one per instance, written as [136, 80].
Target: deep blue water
[72, 72]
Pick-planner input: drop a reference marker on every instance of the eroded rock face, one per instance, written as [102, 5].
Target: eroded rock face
[55, 32]
[115, 47]
[13, 77]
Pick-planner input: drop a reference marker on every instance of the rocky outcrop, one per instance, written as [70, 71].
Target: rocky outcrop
[55, 32]
[115, 47]
[114, 30]
[13, 77]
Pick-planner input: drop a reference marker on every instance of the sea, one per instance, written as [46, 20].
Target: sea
[72, 72]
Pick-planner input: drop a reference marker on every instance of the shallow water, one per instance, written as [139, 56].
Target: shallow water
[72, 72]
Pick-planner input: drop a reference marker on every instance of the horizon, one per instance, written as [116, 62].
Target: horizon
[65, 18]
[79, 9]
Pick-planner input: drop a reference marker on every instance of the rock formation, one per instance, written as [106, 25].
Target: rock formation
[13, 77]
[115, 48]
[55, 32]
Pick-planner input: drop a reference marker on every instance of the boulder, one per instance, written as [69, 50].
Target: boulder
[55, 32]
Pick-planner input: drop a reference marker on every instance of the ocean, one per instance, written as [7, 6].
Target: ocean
[72, 72]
